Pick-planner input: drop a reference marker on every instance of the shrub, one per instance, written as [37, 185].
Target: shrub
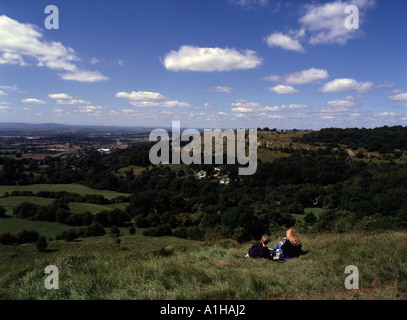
[41, 244]
[69, 235]
[27, 236]
[132, 230]
[2, 212]
[7, 238]
[96, 230]
[115, 232]
[160, 231]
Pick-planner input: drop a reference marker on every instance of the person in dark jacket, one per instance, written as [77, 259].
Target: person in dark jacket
[260, 249]
[291, 246]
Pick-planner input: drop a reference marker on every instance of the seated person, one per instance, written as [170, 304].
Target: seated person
[291, 246]
[260, 249]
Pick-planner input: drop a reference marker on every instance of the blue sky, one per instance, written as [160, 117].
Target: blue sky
[207, 63]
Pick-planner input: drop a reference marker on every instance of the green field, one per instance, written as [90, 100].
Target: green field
[74, 188]
[170, 268]
[9, 203]
[45, 228]
[315, 211]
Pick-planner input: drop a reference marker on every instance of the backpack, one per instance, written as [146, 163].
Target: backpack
[277, 255]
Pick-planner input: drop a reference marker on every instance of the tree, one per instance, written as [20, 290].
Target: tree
[2, 212]
[115, 232]
[41, 244]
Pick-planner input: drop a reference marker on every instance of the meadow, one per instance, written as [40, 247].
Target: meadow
[168, 268]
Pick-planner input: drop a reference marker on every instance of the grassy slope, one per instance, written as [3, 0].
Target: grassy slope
[171, 268]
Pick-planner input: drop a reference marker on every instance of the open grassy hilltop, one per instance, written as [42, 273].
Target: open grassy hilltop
[171, 268]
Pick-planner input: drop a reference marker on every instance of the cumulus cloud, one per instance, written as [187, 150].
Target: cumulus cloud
[322, 24]
[250, 3]
[306, 76]
[312, 75]
[243, 106]
[191, 58]
[84, 76]
[325, 22]
[162, 104]
[221, 89]
[59, 96]
[346, 102]
[398, 97]
[72, 101]
[278, 39]
[92, 111]
[346, 85]
[23, 43]
[141, 95]
[282, 89]
[272, 78]
[146, 99]
[33, 101]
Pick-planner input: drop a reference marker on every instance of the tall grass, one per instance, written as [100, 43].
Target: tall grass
[164, 270]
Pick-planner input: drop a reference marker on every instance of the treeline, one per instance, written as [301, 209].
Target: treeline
[59, 212]
[383, 140]
[68, 197]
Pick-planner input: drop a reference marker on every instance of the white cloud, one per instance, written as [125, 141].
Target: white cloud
[4, 108]
[242, 106]
[22, 43]
[349, 101]
[326, 21]
[59, 112]
[282, 89]
[141, 95]
[220, 116]
[221, 89]
[388, 114]
[250, 3]
[346, 85]
[2, 93]
[294, 106]
[162, 104]
[93, 111]
[278, 39]
[33, 101]
[191, 58]
[147, 99]
[306, 76]
[72, 102]
[94, 60]
[386, 85]
[84, 76]
[209, 106]
[59, 96]
[241, 103]
[398, 97]
[272, 78]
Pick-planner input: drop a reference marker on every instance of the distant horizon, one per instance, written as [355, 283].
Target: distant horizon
[182, 127]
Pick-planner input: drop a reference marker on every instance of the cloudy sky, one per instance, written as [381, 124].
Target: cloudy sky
[207, 63]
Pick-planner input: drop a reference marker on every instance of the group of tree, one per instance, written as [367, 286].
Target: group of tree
[383, 140]
[24, 237]
[59, 212]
